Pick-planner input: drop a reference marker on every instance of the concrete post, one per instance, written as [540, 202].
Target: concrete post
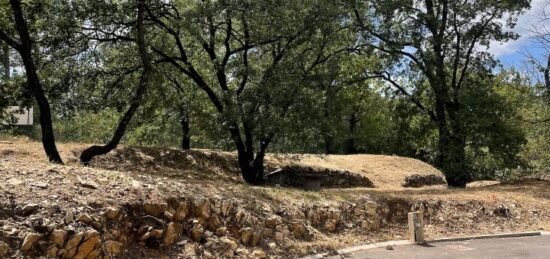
[416, 227]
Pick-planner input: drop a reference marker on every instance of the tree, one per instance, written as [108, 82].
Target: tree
[438, 40]
[137, 99]
[24, 46]
[244, 56]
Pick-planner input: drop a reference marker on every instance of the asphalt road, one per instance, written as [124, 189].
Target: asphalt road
[500, 248]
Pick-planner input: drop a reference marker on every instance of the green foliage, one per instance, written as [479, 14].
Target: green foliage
[87, 127]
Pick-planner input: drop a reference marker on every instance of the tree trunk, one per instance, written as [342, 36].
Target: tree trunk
[350, 142]
[250, 162]
[185, 130]
[451, 157]
[136, 101]
[547, 77]
[34, 85]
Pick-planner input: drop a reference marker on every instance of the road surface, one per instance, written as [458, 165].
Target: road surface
[500, 248]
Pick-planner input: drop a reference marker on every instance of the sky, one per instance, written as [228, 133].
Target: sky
[513, 53]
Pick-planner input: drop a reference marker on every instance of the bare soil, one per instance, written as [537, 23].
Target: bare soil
[133, 175]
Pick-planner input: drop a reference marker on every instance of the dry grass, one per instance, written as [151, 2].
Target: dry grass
[387, 172]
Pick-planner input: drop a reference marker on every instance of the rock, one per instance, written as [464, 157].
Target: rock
[256, 238]
[111, 213]
[29, 241]
[145, 236]
[229, 244]
[273, 221]
[170, 234]
[272, 245]
[279, 236]
[137, 185]
[52, 251]
[112, 247]
[226, 208]
[85, 218]
[4, 249]
[86, 184]
[247, 235]
[503, 211]
[15, 182]
[29, 209]
[69, 216]
[221, 231]
[331, 225]
[299, 230]
[371, 208]
[40, 185]
[260, 254]
[155, 209]
[196, 233]
[202, 209]
[90, 243]
[58, 237]
[389, 247]
[416, 180]
[168, 215]
[190, 250]
[157, 233]
[182, 211]
[72, 245]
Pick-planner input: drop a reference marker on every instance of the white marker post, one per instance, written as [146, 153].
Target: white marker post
[416, 228]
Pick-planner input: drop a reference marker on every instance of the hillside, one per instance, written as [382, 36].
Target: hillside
[140, 202]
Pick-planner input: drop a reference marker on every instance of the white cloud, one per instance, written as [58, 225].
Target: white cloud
[523, 28]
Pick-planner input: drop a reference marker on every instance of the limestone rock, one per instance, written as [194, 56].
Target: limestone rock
[111, 213]
[87, 184]
[221, 231]
[69, 216]
[85, 218]
[371, 208]
[29, 241]
[417, 180]
[196, 233]
[229, 244]
[170, 234]
[58, 237]
[273, 221]
[190, 250]
[4, 249]
[247, 235]
[182, 211]
[259, 254]
[279, 236]
[226, 208]
[299, 229]
[202, 209]
[168, 215]
[52, 251]
[331, 225]
[112, 247]
[72, 245]
[89, 245]
[157, 233]
[155, 209]
[29, 209]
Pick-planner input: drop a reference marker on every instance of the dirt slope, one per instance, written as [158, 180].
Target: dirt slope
[128, 202]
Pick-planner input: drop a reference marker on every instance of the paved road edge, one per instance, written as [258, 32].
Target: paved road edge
[451, 239]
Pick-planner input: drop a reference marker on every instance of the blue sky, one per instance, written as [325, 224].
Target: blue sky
[514, 53]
